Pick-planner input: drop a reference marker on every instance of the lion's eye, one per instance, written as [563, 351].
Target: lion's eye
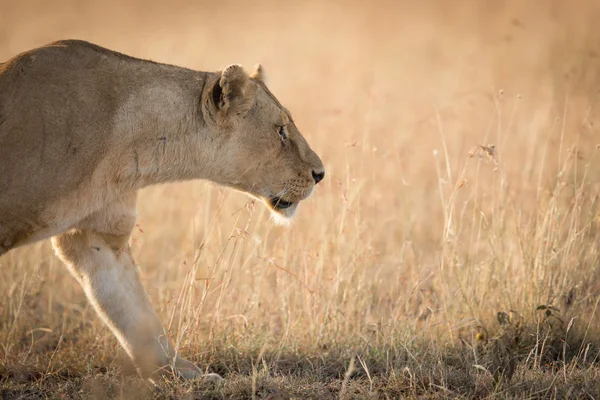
[282, 133]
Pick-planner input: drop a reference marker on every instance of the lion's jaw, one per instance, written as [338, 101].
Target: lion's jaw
[282, 211]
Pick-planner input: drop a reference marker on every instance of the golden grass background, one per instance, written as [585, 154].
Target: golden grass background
[420, 234]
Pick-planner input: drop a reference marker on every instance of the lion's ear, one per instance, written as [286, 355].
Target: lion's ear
[232, 95]
[258, 73]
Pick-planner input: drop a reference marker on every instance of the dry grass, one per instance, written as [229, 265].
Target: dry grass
[428, 263]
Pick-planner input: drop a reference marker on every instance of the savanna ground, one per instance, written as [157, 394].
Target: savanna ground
[451, 252]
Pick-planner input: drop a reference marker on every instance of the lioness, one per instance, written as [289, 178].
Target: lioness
[83, 128]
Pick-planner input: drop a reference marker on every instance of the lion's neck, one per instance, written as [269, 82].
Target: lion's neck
[166, 139]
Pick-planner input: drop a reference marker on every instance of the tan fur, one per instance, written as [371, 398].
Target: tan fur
[83, 128]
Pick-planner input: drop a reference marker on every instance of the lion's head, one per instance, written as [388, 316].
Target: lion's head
[260, 149]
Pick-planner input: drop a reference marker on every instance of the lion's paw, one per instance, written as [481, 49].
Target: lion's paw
[188, 370]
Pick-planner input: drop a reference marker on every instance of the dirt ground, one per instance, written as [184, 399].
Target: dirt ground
[452, 250]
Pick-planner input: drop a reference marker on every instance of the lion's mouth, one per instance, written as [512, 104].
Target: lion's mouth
[279, 204]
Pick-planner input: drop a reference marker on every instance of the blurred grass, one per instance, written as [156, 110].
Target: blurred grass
[428, 263]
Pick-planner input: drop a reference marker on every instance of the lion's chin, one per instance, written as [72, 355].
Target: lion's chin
[283, 216]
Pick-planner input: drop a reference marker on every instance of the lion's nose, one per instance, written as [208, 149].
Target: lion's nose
[318, 176]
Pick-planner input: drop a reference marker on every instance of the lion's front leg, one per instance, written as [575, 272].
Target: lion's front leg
[104, 266]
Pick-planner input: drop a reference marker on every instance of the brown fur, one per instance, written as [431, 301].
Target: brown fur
[82, 128]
